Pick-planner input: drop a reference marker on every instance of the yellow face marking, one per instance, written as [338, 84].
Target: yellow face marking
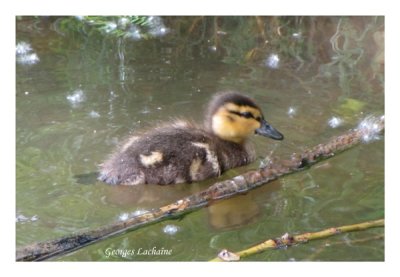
[229, 122]
[151, 159]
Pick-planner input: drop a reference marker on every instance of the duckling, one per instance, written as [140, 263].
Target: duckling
[183, 152]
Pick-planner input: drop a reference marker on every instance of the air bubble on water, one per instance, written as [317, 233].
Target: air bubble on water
[77, 96]
[139, 212]
[23, 48]
[272, 61]
[335, 122]
[94, 114]
[134, 33]
[170, 229]
[123, 216]
[213, 48]
[31, 58]
[297, 35]
[110, 26]
[370, 128]
[28, 59]
[292, 111]
[123, 22]
[25, 54]
[157, 27]
[22, 218]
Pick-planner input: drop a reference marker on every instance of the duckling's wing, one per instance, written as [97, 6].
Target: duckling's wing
[164, 156]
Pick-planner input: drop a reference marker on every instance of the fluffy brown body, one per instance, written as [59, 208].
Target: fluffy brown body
[173, 154]
[182, 152]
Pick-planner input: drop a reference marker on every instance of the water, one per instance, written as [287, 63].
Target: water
[85, 92]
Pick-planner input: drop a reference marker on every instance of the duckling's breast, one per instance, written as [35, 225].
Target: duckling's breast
[174, 154]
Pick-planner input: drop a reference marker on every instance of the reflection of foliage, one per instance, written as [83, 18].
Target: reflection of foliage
[349, 49]
[349, 107]
[133, 27]
[297, 41]
[355, 46]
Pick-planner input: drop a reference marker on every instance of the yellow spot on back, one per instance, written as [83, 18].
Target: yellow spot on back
[128, 143]
[152, 159]
[194, 169]
[210, 156]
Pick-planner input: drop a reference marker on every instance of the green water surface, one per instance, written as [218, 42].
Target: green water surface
[89, 90]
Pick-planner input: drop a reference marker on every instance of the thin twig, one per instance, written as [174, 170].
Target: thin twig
[288, 240]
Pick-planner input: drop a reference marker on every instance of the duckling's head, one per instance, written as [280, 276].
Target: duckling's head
[234, 117]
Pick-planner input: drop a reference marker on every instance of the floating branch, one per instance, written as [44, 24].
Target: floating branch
[368, 130]
[287, 240]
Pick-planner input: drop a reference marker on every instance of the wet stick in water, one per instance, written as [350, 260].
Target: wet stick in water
[288, 240]
[368, 130]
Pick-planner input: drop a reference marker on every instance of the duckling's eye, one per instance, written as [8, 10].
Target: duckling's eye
[247, 114]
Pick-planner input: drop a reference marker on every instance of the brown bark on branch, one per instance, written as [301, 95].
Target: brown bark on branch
[287, 240]
[366, 131]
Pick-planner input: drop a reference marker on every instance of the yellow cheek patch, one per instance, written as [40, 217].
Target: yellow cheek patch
[229, 124]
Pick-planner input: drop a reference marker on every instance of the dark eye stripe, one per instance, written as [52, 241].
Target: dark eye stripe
[245, 114]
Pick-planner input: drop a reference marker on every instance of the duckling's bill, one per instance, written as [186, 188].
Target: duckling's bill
[267, 130]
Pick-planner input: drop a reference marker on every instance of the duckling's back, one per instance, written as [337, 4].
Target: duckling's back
[177, 153]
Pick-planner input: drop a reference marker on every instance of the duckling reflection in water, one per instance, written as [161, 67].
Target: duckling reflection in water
[182, 152]
[234, 212]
